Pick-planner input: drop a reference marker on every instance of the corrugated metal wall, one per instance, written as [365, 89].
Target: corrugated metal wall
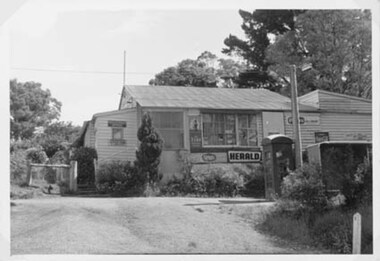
[334, 102]
[307, 130]
[347, 127]
[108, 152]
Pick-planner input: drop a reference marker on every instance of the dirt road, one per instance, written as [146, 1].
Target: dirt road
[136, 226]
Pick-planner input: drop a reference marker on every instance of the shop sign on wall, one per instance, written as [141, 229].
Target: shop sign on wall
[307, 120]
[195, 132]
[208, 157]
[117, 124]
[244, 156]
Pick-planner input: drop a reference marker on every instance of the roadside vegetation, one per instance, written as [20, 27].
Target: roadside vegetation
[308, 213]
[36, 135]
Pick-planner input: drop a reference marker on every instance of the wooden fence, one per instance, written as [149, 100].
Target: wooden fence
[66, 174]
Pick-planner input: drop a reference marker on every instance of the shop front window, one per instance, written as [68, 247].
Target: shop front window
[222, 129]
[170, 126]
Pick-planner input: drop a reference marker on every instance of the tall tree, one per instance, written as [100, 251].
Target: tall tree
[205, 71]
[259, 27]
[338, 45]
[31, 107]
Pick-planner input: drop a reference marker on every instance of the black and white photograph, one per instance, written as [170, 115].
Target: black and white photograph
[189, 129]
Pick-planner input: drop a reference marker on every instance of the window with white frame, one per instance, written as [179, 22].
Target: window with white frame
[170, 126]
[225, 129]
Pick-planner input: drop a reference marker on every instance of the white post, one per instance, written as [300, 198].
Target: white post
[295, 117]
[73, 176]
[29, 173]
[356, 235]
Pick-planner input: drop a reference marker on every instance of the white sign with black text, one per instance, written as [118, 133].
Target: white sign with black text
[244, 156]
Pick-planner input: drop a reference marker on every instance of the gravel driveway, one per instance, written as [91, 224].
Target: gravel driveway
[74, 225]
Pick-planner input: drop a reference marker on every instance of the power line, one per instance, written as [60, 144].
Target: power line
[77, 71]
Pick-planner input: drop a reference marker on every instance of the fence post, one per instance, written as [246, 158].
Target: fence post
[356, 235]
[73, 176]
[29, 173]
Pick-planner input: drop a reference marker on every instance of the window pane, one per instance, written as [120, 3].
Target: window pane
[117, 134]
[243, 121]
[219, 129]
[252, 137]
[170, 126]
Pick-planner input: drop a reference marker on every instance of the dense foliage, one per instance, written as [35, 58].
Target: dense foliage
[216, 181]
[305, 186]
[337, 43]
[31, 107]
[149, 152]
[120, 178]
[311, 214]
[86, 170]
[206, 71]
[36, 155]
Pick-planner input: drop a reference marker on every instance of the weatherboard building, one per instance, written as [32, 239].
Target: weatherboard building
[221, 125]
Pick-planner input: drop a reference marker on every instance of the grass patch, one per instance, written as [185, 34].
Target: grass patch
[331, 229]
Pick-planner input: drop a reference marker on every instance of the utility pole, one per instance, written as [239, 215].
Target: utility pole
[295, 117]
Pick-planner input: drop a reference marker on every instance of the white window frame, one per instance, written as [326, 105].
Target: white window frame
[236, 131]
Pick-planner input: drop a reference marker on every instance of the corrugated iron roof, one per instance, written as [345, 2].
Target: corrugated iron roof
[210, 98]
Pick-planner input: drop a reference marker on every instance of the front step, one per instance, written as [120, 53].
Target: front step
[86, 189]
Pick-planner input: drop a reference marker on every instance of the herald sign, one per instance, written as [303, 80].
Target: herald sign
[244, 156]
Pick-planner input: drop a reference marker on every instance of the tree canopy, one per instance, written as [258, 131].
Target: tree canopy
[336, 42]
[338, 45]
[206, 71]
[31, 107]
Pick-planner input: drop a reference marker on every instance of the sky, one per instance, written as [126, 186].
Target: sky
[49, 37]
[75, 48]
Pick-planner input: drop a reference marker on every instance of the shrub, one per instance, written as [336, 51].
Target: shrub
[359, 189]
[254, 182]
[16, 145]
[51, 146]
[85, 157]
[345, 168]
[215, 182]
[148, 154]
[36, 155]
[60, 157]
[120, 178]
[305, 185]
[18, 165]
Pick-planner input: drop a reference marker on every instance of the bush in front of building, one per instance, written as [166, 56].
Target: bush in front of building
[119, 178]
[86, 170]
[213, 182]
[148, 154]
[345, 168]
[254, 181]
[305, 186]
[304, 208]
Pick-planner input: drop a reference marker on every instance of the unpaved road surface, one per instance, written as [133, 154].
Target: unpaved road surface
[74, 225]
